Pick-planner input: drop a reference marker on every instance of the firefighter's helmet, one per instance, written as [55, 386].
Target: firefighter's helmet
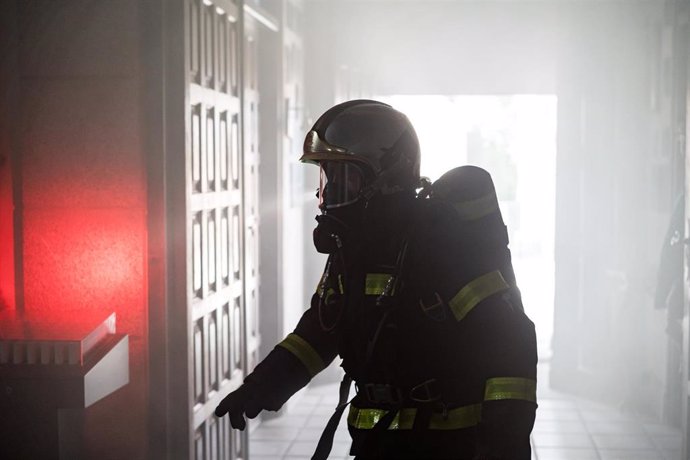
[364, 148]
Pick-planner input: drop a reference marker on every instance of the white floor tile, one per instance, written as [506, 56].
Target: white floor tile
[559, 426]
[275, 449]
[560, 453]
[616, 427]
[628, 454]
[622, 441]
[570, 440]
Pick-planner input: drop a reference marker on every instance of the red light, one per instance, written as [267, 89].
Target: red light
[7, 288]
[85, 259]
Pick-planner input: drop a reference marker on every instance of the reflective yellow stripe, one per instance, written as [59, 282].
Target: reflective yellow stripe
[476, 291]
[461, 417]
[376, 283]
[455, 419]
[304, 352]
[366, 419]
[319, 290]
[476, 209]
[499, 388]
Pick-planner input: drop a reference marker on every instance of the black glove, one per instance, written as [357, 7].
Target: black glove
[243, 401]
[272, 382]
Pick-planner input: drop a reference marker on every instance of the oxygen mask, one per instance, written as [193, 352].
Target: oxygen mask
[338, 227]
[340, 192]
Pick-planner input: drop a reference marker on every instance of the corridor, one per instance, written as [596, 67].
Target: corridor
[157, 224]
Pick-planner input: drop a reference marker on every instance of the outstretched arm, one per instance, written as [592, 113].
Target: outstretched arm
[287, 368]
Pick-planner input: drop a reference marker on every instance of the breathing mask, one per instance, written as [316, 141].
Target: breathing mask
[340, 192]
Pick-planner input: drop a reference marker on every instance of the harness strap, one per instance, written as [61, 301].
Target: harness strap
[323, 448]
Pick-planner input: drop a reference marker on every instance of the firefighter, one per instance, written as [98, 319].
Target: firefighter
[418, 298]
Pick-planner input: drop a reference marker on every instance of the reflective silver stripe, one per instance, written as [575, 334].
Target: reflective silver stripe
[476, 209]
[455, 419]
[475, 291]
[499, 388]
[304, 352]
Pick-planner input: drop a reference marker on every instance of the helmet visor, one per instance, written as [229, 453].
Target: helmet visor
[341, 183]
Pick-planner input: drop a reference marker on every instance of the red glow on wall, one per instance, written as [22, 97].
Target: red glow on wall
[7, 288]
[84, 228]
[82, 168]
[84, 259]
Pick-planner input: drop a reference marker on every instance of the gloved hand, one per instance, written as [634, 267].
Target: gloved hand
[243, 401]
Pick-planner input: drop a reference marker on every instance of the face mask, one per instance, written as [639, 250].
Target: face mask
[337, 228]
[328, 234]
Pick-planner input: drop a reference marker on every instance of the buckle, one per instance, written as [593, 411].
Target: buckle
[382, 393]
[426, 392]
[434, 311]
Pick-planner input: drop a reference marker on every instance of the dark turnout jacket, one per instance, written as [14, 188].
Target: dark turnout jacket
[427, 318]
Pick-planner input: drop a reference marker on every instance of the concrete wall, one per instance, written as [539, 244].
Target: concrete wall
[83, 186]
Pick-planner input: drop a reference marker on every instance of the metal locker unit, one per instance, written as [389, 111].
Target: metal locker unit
[218, 262]
[204, 197]
[198, 319]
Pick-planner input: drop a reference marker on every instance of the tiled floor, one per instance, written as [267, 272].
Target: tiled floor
[566, 429]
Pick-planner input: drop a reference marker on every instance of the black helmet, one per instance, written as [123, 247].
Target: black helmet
[363, 147]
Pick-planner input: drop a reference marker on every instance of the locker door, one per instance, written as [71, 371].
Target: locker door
[251, 188]
[204, 302]
[220, 267]
[221, 235]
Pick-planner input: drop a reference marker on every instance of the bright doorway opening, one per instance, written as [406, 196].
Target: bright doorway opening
[514, 138]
